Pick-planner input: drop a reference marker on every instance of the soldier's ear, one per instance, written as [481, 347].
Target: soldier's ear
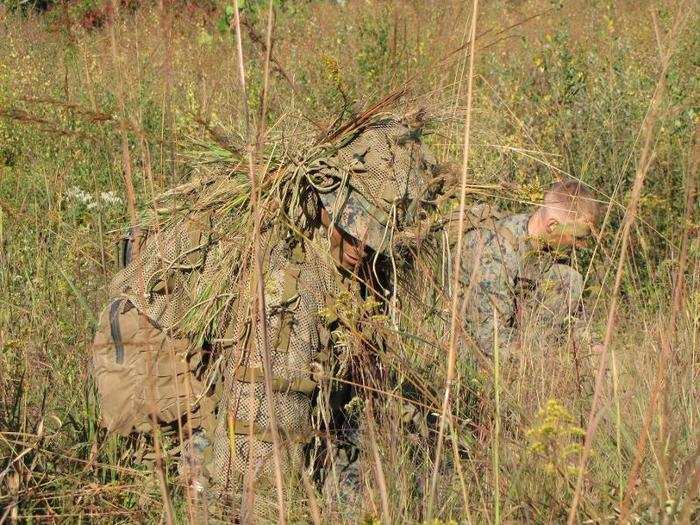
[552, 223]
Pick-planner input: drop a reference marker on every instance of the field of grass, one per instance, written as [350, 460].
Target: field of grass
[560, 89]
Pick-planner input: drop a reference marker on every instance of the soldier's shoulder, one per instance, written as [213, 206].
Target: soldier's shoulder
[479, 236]
[516, 223]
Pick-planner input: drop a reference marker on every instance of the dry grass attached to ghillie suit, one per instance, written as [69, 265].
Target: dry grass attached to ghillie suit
[192, 275]
[212, 214]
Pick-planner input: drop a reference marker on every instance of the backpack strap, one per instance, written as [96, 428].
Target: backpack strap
[115, 330]
[126, 246]
[257, 375]
[240, 427]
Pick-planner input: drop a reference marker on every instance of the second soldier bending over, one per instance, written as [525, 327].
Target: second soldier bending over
[512, 275]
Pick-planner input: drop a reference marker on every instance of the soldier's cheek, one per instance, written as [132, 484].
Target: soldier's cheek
[566, 241]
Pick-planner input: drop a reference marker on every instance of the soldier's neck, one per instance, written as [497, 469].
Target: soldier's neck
[535, 227]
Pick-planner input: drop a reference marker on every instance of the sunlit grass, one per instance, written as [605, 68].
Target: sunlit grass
[562, 94]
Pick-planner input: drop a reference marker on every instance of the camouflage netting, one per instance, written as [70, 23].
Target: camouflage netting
[296, 291]
[192, 275]
[194, 240]
[388, 167]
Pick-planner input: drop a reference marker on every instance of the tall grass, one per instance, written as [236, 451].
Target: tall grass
[557, 91]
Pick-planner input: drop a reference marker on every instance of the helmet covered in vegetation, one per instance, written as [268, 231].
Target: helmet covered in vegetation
[373, 184]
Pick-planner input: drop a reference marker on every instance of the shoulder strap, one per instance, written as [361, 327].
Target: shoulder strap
[126, 245]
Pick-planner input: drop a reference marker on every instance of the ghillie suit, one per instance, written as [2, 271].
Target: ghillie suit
[192, 281]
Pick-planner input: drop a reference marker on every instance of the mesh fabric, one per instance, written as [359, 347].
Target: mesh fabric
[291, 357]
[166, 274]
[370, 182]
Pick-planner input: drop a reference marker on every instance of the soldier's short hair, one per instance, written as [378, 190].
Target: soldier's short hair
[573, 196]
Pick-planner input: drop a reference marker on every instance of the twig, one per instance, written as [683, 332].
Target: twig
[266, 46]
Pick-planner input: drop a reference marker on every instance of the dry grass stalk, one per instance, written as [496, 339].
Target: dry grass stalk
[314, 508]
[452, 351]
[166, 30]
[693, 485]
[259, 299]
[666, 337]
[691, 195]
[133, 215]
[651, 411]
[266, 79]
[678, 292]
[377, 463]
[497, 426]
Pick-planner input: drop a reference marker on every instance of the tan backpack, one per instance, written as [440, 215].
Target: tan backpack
[145, 374]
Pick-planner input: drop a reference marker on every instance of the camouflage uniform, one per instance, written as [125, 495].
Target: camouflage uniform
[503, 275]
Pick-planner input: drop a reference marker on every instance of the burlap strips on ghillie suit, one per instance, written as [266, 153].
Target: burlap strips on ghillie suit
[193, 278]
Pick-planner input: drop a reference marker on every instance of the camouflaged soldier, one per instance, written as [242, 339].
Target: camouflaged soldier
[366, 191]
[511, 269]
[346, 207]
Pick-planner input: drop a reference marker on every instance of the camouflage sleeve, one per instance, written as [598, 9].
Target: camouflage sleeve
[559, 295]
[488, 270]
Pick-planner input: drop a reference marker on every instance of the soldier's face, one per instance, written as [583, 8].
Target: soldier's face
[568, 232]
[345, 249]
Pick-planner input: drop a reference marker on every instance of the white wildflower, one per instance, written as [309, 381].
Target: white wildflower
[110, 198]
[79, 195]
